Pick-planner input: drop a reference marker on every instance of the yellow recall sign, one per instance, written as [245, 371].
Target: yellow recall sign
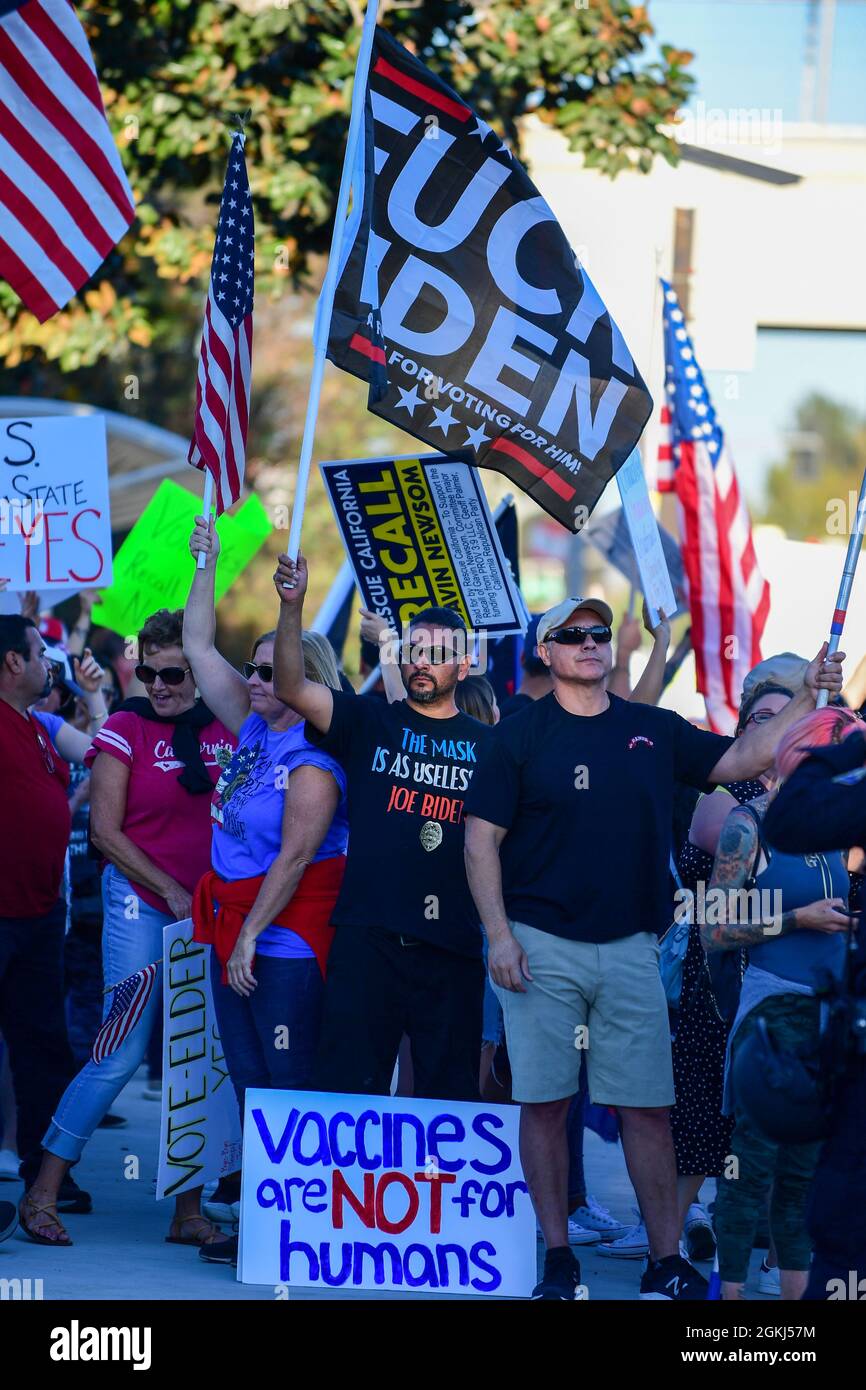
[422, 554]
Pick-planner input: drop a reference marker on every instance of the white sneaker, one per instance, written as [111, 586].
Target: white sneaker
[581, 1235]
[8, 1166]
[634, 1245]
[769, 1279]
[700, 1240]
[595, 1217]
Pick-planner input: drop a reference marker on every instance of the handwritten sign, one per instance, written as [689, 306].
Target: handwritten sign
[153, 568]
[55, 523]
[366, 1192]
[200, 1132]
[419, 533]
[644, 532]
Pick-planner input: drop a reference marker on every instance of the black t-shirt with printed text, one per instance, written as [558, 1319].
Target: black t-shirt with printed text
[587, 801]
[407, 778]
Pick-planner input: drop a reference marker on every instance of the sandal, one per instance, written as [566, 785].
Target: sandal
[27, 1209]
[205, 1233]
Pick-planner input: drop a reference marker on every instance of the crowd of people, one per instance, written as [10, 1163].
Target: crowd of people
[433, 892]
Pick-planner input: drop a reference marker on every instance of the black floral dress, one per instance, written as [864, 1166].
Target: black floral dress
[702, 1134]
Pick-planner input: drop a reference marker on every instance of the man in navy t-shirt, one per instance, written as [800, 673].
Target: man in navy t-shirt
[567, 844]
[406, 957]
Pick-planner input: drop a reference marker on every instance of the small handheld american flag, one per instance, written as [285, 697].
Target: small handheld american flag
[128, 1003]
[729, 599]
[222, 393]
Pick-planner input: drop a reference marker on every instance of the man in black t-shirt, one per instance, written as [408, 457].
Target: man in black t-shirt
[406, 956]
[567, 845]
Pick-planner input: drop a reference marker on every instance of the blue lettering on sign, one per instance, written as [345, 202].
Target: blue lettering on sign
[419, 1266]
[480, 1125]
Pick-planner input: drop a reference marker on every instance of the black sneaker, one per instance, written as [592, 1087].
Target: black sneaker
[221, 1252]
[8, 1220]
[674, 1279]
[560, 1279]
[73, 1200]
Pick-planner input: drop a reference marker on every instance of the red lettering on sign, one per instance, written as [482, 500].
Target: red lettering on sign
[341, 1191]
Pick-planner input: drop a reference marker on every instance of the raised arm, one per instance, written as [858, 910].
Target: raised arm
[72, 743]
[310, 801]
[222, 688]
[652, 680]
[373, 629]
[312, 700]
[755, 751]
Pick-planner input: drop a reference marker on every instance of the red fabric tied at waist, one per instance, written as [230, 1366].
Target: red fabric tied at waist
[219, 909]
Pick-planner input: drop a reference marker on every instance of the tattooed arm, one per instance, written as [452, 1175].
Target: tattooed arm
[735, 856]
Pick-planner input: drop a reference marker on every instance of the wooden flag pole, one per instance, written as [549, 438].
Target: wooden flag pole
[848, 569]
[329, 286]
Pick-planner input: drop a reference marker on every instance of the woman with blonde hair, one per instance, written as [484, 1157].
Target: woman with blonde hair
[279, 845]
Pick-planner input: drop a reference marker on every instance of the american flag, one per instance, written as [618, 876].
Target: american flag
[127, 1005]
[65, 201]
[728, 597]
[222, 393]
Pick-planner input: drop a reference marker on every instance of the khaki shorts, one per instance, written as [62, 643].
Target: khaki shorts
[605, 1001]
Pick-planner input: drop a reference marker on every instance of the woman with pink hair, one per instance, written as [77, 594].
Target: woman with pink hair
[796, 938]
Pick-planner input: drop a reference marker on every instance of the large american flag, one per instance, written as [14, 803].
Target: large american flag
[65, 201]
[128, 1004]
[222, 393]
[728, 597]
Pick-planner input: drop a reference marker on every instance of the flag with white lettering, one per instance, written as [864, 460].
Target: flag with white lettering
[462, 304]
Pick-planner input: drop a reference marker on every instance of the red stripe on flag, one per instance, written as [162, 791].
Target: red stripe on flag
[547, 475]
[42, 232]
[51, 174]
[368, 349]
[65, 52]
[33, 293]
[87, 149]
[420, 89]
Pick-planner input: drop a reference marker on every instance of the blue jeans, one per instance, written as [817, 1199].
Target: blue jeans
[269, 1039]
[129, 942]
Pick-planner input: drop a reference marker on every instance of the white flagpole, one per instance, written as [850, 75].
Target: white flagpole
[851, 557]
[206, 505]
[329, 286]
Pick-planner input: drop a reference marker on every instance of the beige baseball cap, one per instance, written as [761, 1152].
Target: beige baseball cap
[786, 669]
[558, 615]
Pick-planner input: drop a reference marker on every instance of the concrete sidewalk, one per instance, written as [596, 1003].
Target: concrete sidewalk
[120, 1250]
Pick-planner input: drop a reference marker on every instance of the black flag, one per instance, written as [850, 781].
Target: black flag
[463, 305]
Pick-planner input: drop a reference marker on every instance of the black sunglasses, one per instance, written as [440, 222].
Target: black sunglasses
[170, 675]
[576, 636]
[411, 653]
[265, 670]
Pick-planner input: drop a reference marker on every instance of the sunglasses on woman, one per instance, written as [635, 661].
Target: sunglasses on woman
[170, 675]
[265, 670]
[576, 636]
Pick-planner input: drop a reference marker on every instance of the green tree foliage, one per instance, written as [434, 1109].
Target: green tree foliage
[809, 494]
[174, 71]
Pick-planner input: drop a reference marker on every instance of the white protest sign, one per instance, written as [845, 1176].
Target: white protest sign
[644, 531]
[365, 1192]
[200, 1132]
[55, 522]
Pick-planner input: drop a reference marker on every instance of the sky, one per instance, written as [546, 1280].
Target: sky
[749, 53]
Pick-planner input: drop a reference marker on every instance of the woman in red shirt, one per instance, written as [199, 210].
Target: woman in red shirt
[154, 765]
